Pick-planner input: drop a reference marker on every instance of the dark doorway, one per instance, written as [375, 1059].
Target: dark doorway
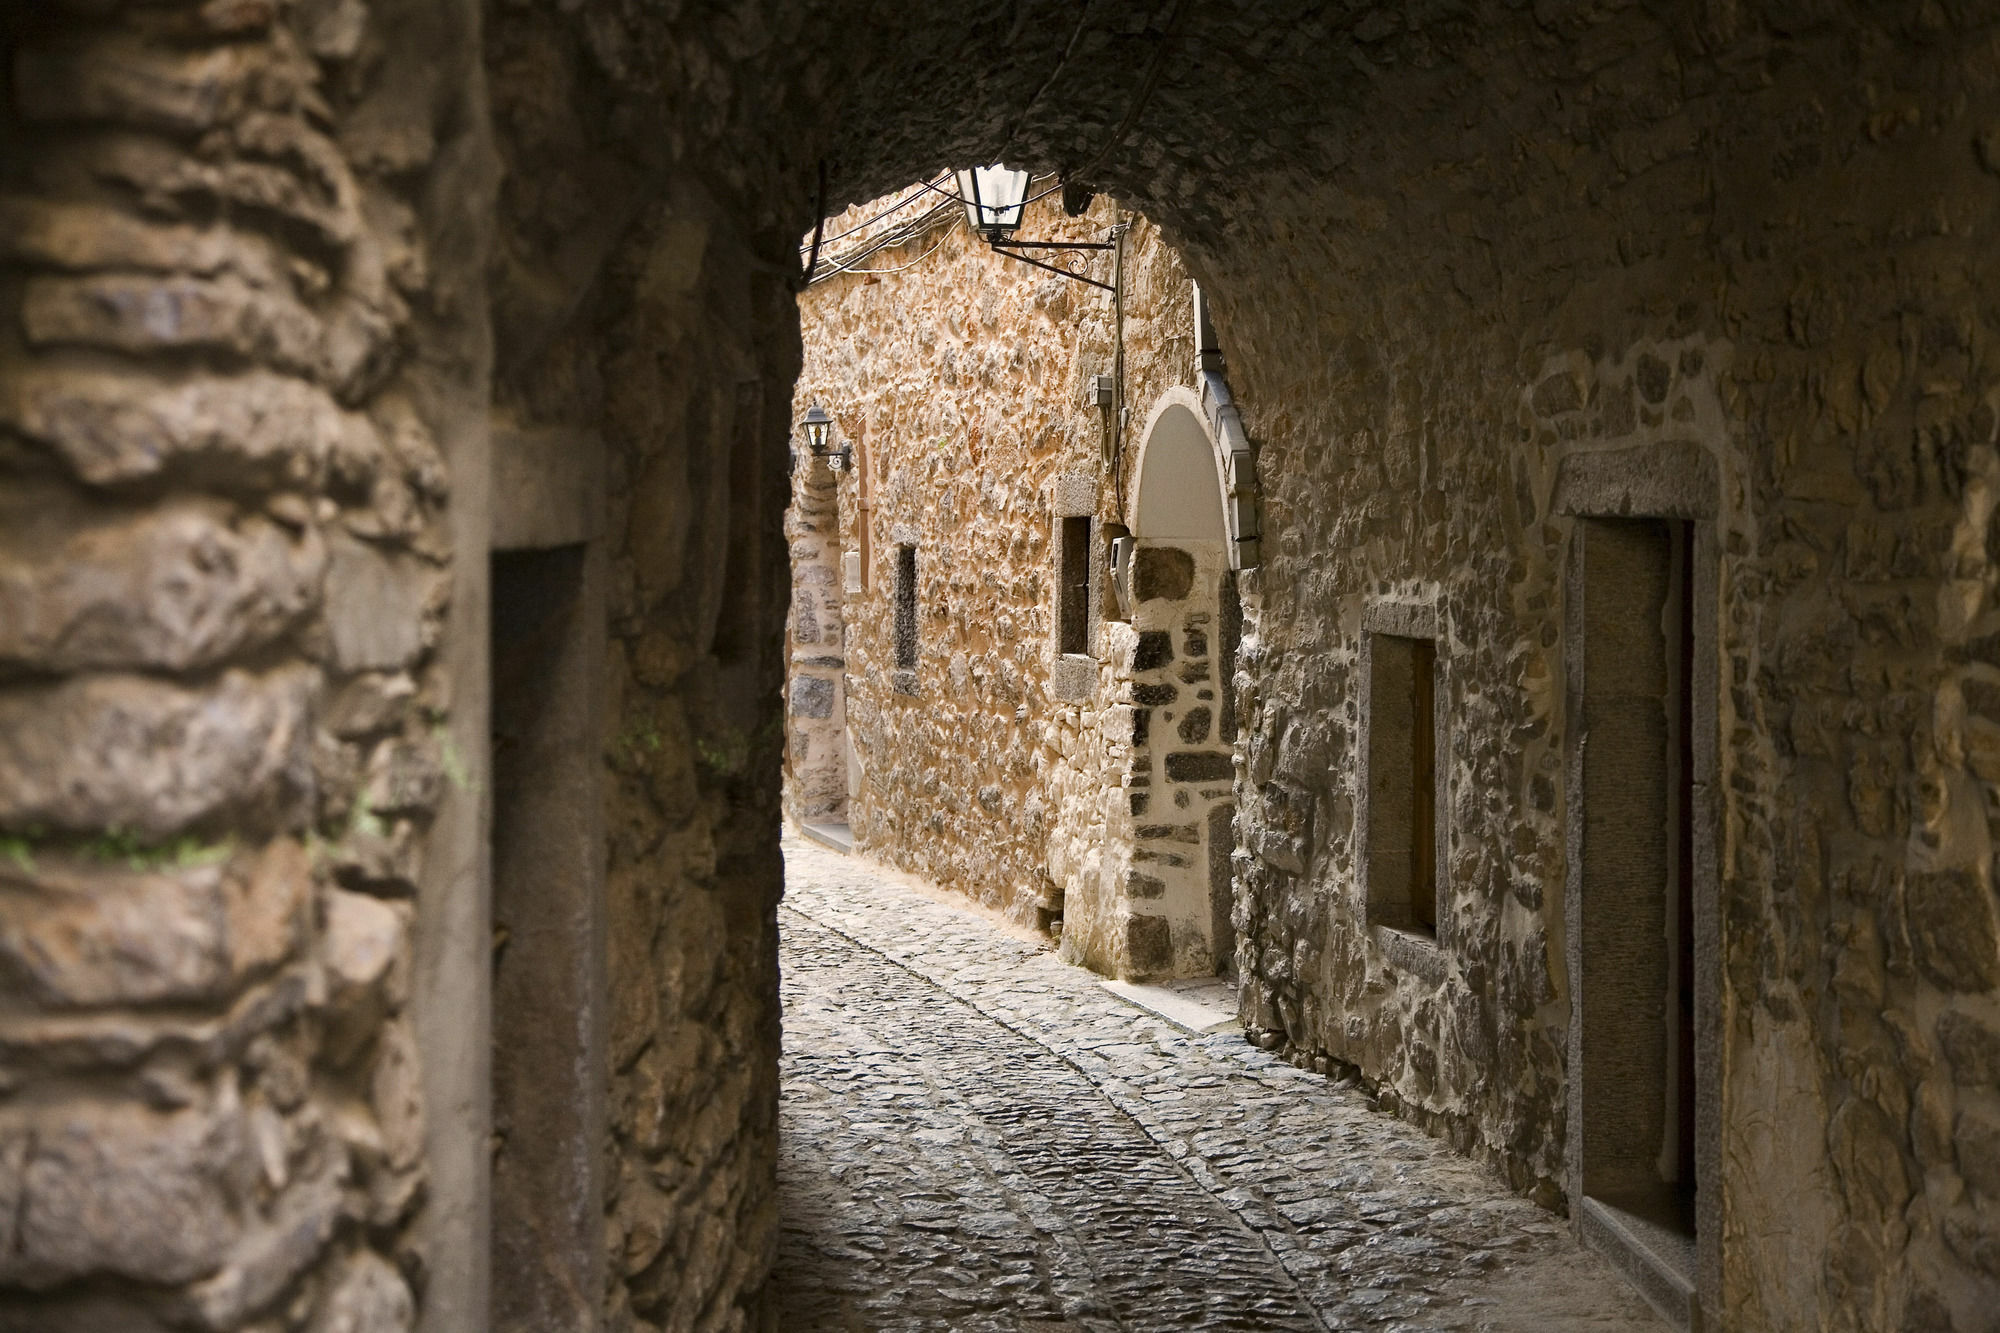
[548, 949]
[1636, 910]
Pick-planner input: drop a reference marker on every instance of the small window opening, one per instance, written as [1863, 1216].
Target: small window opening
[906, 608]
[1073, 590]
[1402, 780]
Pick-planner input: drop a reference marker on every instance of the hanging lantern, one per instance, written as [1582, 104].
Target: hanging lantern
[994, 197]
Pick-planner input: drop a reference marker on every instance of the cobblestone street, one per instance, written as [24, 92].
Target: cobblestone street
[979, 1137]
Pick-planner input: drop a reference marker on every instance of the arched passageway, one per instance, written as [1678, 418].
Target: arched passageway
[309, 307]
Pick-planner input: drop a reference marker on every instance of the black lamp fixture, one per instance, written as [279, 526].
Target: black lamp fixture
[995, 198]
[819, 434]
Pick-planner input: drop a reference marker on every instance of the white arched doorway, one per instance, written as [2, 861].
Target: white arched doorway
[1179, 589]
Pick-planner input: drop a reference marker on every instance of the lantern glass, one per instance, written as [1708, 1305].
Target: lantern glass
[994, 197]
[818, 426]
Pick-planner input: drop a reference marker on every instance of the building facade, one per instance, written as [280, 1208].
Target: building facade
[1011, 665]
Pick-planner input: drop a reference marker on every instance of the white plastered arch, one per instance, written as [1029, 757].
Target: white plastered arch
[1194, 478]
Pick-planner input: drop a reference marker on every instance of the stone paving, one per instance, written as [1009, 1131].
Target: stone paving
[977, 1137]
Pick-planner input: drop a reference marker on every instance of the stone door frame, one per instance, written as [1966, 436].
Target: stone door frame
[1672, 481]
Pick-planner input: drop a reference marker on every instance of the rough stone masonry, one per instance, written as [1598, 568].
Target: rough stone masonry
[276, 277]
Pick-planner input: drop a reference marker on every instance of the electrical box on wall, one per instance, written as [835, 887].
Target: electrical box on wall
[1100, 392]
[1122, 549]
[850, 571]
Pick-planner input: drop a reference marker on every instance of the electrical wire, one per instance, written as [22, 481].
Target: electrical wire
[900, 236]
[938, 244]
[865, 223]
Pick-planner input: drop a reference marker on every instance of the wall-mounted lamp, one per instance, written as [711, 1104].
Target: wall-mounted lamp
[819, 436]
[994, 198]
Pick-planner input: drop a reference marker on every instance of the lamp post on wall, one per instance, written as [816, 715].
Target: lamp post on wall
[819, 437]
[995, 198]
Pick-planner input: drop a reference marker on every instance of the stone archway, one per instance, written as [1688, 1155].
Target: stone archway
[1165, 907]
[274, 272]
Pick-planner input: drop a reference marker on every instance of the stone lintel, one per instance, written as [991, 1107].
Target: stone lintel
[1673, 479]
[548, 486]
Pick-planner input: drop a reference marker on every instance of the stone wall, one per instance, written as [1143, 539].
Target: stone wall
[241, 719]
[960, 384]
[640, 314]
[1779, 273]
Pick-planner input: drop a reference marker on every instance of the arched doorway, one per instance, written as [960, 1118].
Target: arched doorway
[1172, 861]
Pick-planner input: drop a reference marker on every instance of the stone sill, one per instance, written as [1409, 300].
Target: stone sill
[903, 682]
[1419, 955]
[1073, 676]
[1657, 1260]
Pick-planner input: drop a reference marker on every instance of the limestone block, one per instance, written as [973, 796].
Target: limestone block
[397, 1095]
[267, 1260]
[1952, 929]
[812, 697]
[178, 586]
[151, 758]
[1972, 1047]
[81, 935]
[120, 1189]
[376, 602]
[361, 944]
[367, 1296]
[127, 313]
[1073, 495]
[369, 703]
[119, 78]
[87, 236]
[1676, 479]
[1976, 1141]
[253, 430]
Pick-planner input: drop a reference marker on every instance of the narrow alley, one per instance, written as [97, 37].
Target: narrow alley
[977, 1136]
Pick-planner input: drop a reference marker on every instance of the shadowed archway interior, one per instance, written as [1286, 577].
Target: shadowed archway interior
[305, 303]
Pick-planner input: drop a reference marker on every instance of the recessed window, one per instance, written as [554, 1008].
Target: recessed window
[1073, 586]
[1401, 862]
[906, 608]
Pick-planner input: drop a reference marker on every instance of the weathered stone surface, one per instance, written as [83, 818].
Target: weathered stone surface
[1199, 766]
[82, 237]
[366, 1296]
[1676, 480]
[1149, 944]
[1162, 572]
[120, 78]
[251, 430]
[269, 1257]
[1971, 1047]
[76, 934]
[1155, 649]
[181, 586]
[123, 1190]
[132, 314]
[397, 1096]
[1952, 926]
[812, 696]
[1976, 1140]
[124, 752]
[377, 605]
